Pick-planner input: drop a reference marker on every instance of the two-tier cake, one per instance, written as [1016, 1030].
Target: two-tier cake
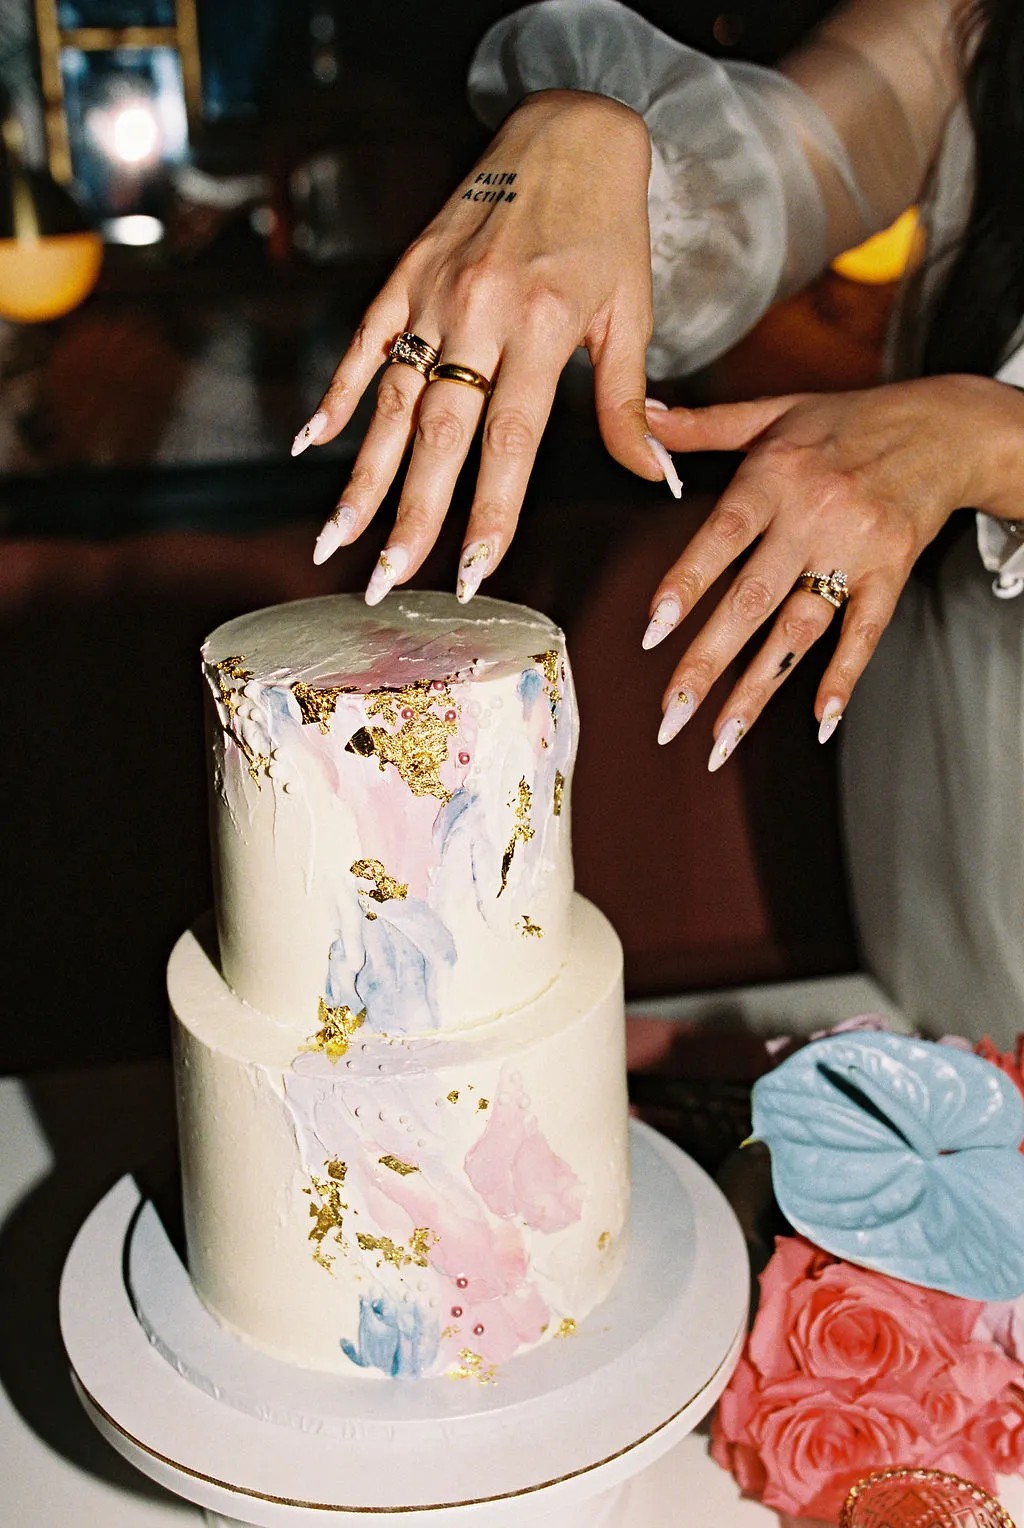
[400, 1063]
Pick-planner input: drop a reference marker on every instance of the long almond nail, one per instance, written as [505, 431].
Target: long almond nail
[473, 565]
[667, 466]
[391, 564]
[726, 742]
[677, 714]
[337, 530]
[830, 719]
[310, 433]
[665, 619]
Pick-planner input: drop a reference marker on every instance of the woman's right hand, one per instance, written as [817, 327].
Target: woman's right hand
[509, 287]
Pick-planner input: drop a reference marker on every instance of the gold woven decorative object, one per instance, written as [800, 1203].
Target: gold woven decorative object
[908, 1498]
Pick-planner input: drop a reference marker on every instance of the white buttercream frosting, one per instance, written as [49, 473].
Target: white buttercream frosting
[391, 809]
[426, 1204]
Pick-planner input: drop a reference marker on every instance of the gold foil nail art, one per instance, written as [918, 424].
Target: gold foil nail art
[566, 1327]
[527, 927]
[559, 792]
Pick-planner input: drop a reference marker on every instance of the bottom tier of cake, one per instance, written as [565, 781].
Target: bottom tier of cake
[405, 1206]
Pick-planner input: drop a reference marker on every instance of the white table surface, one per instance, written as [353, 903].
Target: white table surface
[67, 1136]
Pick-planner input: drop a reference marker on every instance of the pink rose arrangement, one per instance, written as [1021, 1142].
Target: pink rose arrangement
[847, 1370]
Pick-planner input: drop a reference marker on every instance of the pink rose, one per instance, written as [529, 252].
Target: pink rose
[846, 1370]
[818, 1315]
[800, 1446]
[1002, 1322]
[998, 1435]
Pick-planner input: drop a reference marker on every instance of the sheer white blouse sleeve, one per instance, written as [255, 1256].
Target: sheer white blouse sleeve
[759, 176]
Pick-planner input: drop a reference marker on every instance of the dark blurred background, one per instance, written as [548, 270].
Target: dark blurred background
[253, 177]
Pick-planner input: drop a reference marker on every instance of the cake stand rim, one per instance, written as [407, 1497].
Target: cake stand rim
[209, 1490]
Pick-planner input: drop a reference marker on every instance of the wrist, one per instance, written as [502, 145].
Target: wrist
[583, 106]
[997, 418]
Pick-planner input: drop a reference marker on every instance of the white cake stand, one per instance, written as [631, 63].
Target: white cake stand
[551, 1444]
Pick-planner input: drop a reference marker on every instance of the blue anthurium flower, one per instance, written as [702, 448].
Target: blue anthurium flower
[900, 1155]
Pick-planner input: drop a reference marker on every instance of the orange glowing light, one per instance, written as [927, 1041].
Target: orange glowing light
[885, 256]
[46, 277]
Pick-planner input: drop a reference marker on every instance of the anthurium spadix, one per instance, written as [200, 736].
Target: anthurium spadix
[900, 1155]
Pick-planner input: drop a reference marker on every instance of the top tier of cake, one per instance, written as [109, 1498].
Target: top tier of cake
[391, 811]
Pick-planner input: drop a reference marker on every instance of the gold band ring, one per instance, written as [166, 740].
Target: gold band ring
[830, 586]
[410, 350]
[449, 371]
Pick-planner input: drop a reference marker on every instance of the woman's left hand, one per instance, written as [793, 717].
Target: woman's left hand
[859, 482]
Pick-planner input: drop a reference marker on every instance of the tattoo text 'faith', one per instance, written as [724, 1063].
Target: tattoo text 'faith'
[491, 186]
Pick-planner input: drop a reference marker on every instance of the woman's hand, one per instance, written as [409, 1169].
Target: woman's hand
[544, 248]
[859, 482]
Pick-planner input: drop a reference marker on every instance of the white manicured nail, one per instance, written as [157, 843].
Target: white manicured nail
[391, 564]
[337, 529]
[830, 719]
[665, 619]
[667, 465]
[726, 742]
[656, 403]
[472, 566]
[310, 433]
[677, 714]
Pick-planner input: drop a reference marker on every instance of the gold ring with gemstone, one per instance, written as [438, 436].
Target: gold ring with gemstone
[830, 586]
[410, 350]
[450, 371]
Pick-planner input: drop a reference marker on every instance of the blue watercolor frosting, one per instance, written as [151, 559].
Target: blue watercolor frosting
[393, 1338]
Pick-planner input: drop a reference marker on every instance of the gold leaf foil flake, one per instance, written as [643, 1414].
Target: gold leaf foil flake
[472, 1366]
[420, 1243]
[385, 887]
[526, 927]
[337, 1027]
[448, 1332]
[317, 705]
[558, 793]
[234, 668]
[397, 1165]
[420, 746]
[485, 1103]
[522, 833]
[550, 667]
[326, 1215]
[453, 1096]
[390, 1252]
[566, 1327]
[604, 1241]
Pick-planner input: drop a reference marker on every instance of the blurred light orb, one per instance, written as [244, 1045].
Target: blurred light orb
[136, 229]
[135, 135]
[128, 132]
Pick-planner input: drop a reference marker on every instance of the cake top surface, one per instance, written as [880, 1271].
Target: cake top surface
[338, 640]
